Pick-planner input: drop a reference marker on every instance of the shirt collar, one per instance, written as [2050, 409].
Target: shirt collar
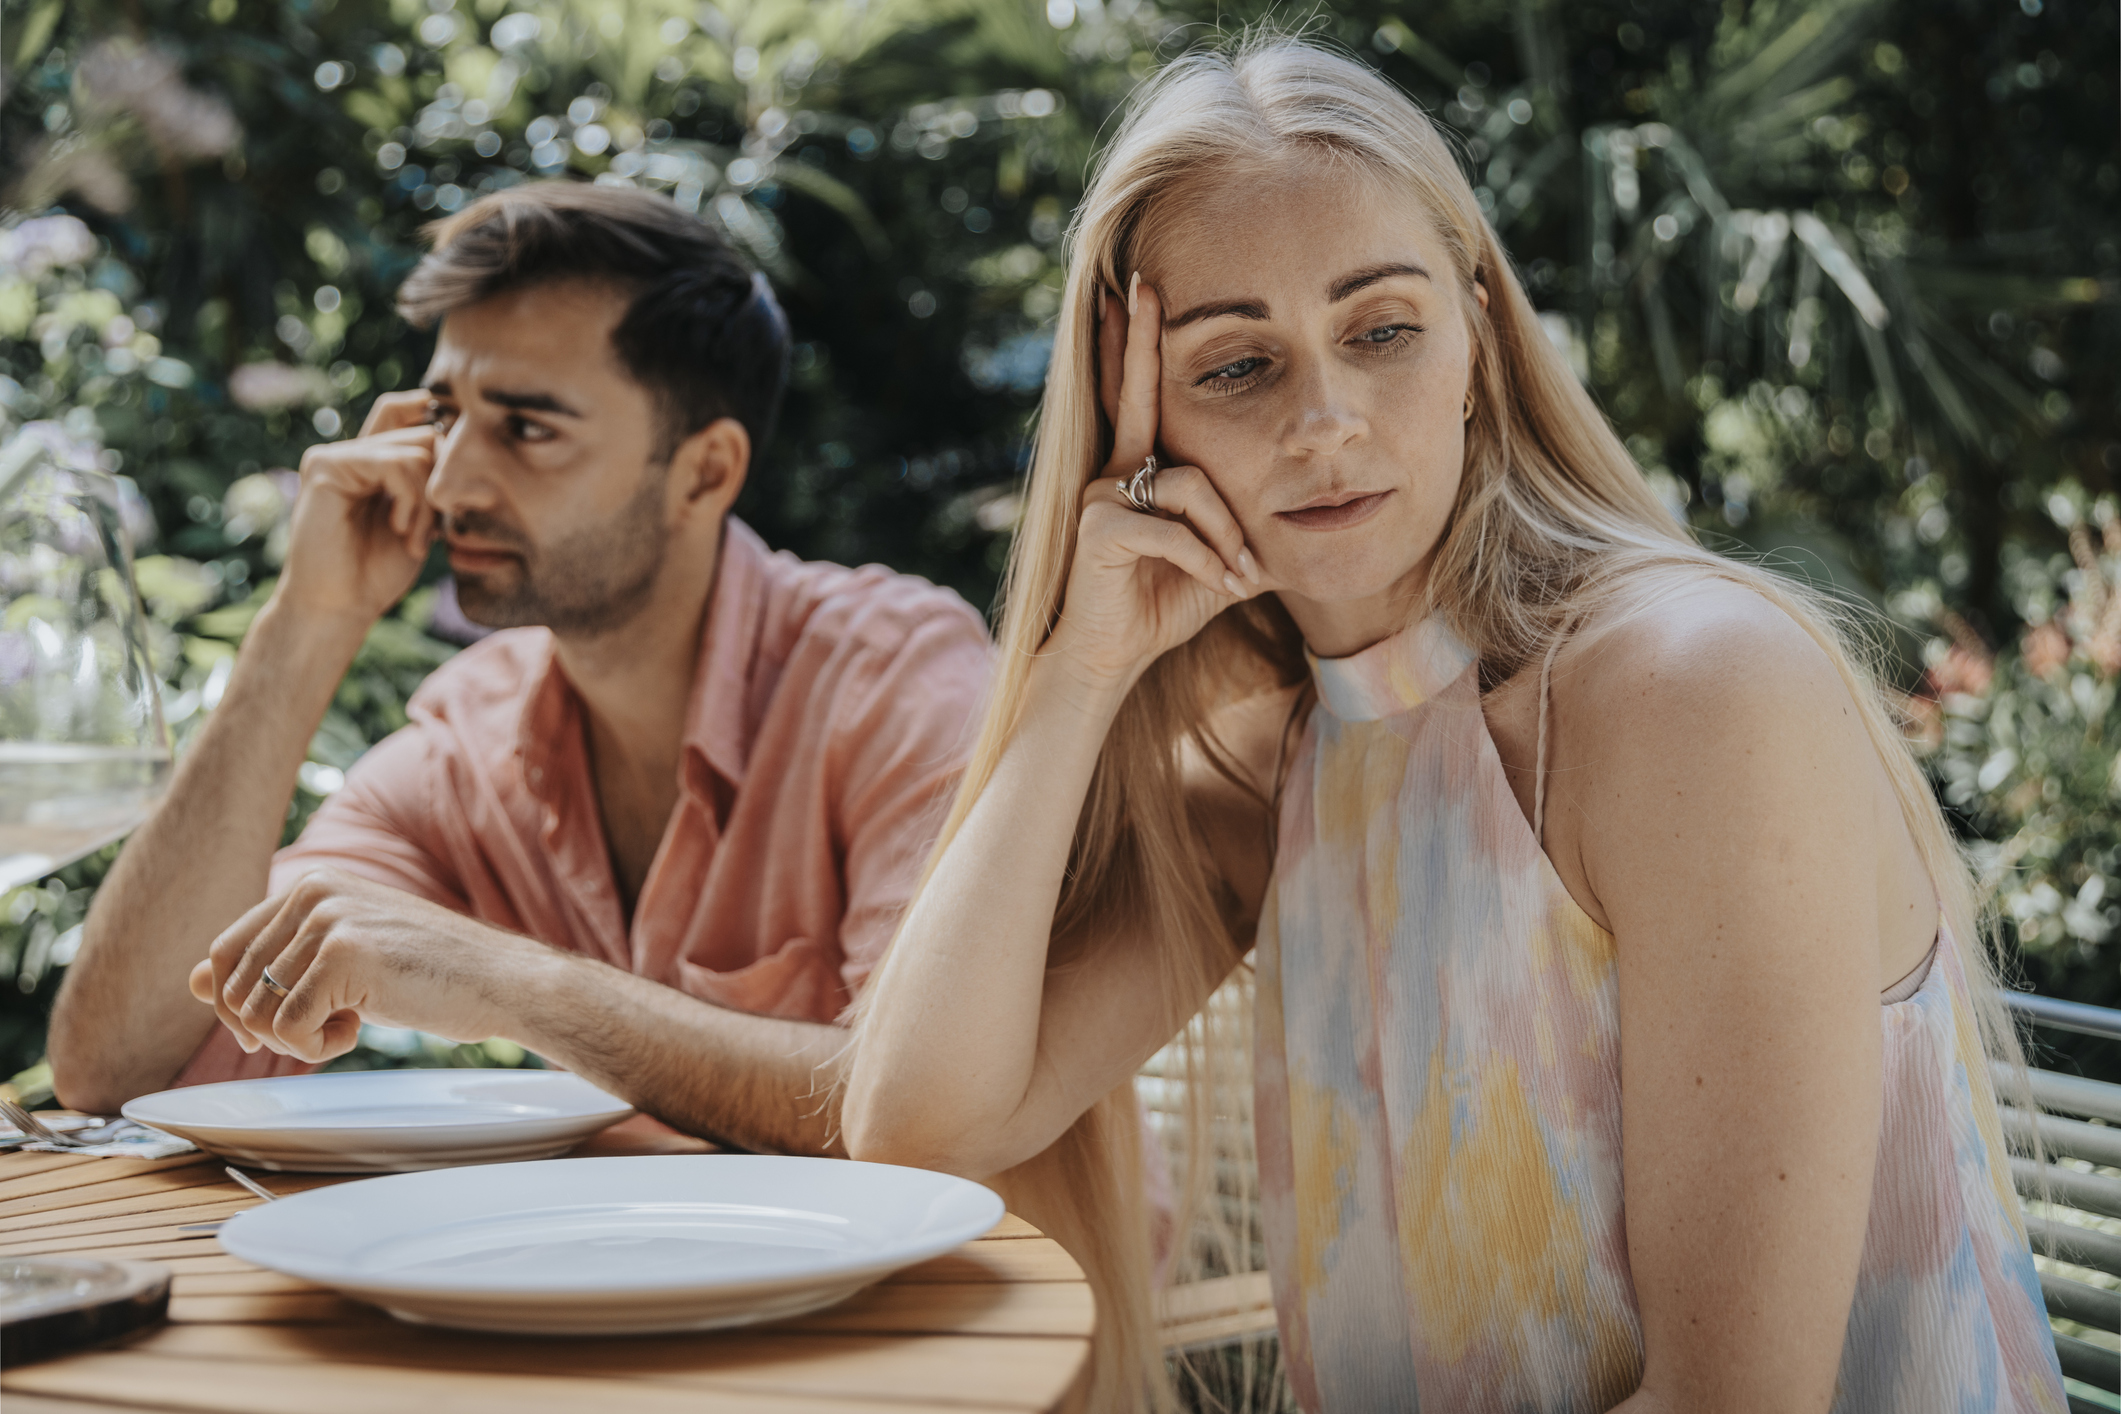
[717, 739]
[1393, 675]
[718, 717]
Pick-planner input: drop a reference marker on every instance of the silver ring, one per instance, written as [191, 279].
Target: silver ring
[1139, 490]
[272, 983]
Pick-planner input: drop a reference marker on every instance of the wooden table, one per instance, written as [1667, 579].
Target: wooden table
[1002, 1323]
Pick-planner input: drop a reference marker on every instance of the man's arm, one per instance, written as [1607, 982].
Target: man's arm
[122, 1024]
[757, 1082]
[352, 950]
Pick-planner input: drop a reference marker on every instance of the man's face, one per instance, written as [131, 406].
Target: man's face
[545, 472]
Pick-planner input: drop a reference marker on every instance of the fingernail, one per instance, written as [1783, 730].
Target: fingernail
[250, 1048]
[1244, 562]
[1134, 284]
[1230, 582]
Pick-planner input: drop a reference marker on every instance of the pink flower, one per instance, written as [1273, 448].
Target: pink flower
[2046, 649]
[1922, 721]
[119, 75]
[1963, 672]
[262, 387]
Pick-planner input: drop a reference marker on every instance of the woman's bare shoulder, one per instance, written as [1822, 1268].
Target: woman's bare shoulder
[1709, 726]
[1689, 654]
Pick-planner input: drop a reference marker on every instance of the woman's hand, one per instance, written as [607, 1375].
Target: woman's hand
[1142, 584]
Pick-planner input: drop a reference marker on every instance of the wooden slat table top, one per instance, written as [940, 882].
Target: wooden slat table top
[1002, 1323]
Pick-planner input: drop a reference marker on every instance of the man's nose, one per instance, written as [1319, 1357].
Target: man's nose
[461, 479]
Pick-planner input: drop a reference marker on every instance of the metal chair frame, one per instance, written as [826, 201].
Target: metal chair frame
[2073, 1200]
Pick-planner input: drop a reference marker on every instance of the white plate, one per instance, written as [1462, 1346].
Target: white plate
[385, 1121]
[615, 1246]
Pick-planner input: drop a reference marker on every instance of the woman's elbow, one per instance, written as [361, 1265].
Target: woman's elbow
[875, 1135]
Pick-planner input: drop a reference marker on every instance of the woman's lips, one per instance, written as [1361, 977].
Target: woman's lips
[1352, 511]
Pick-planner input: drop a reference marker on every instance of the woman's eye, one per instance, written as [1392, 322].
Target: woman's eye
[524, 430]
[1235, 372]
[1385, 334]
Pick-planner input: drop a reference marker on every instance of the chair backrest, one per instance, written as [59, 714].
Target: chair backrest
[2073, 1201]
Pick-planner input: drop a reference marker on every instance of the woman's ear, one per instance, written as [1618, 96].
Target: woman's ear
[1480, 292]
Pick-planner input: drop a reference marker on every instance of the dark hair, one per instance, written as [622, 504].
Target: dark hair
[704, 334]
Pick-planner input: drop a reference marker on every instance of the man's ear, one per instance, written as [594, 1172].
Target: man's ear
[707, 470]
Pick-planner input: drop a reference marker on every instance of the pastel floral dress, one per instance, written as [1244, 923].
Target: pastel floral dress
[1439, 1105]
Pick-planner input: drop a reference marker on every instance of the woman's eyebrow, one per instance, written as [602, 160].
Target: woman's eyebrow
[1254, 309]
[1236, 309]
[1369, 275]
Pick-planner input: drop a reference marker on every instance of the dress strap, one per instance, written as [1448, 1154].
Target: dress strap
[1539, 767]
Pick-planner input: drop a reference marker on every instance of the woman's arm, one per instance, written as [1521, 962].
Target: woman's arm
[1731, 818]
[973, 1056]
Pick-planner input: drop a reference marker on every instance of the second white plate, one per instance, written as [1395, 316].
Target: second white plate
[615, 1246]
[385, 1121]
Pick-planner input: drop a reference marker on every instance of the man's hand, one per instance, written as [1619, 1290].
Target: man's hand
[362, 523]
[347, 951]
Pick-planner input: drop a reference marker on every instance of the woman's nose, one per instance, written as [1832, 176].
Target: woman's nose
[1324, 424]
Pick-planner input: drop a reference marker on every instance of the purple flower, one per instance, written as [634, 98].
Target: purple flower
[119, 75]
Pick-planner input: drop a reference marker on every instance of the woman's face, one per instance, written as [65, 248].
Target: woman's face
[1316, 357]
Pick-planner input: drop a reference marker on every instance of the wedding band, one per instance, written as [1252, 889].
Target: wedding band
[272, 983]
[1139, 490]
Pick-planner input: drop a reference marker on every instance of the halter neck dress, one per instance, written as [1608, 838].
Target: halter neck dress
[1438, 1103]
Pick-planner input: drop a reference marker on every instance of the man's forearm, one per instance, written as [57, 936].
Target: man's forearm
[124, 1022]
[760, 1082]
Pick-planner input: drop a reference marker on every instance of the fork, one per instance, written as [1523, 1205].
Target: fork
[34, 1128]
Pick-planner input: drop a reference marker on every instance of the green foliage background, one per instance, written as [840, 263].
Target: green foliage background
[1845, 274]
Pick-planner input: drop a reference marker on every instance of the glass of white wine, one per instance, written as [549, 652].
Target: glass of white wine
[84, 750]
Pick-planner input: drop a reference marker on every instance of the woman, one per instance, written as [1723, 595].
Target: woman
[1581, 863]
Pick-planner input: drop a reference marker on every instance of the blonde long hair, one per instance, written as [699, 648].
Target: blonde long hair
[1553, 523]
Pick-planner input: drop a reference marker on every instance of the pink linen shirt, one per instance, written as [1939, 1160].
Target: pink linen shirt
[831, 712]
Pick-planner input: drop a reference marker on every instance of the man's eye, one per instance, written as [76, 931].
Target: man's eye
[441, 416]
[524, 430]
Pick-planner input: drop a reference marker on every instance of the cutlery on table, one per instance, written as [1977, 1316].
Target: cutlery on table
[34, 1129]
[242, 1178]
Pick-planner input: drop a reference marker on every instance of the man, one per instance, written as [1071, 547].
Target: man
[661, 828]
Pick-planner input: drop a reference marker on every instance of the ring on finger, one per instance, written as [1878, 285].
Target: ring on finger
[1139, 490]
[272, 984]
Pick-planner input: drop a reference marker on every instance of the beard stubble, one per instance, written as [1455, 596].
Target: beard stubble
[582, 584]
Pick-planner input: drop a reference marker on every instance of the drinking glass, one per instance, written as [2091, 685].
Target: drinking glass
[84, 751]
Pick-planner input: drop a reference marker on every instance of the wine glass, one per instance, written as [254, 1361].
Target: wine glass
[84, 751]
